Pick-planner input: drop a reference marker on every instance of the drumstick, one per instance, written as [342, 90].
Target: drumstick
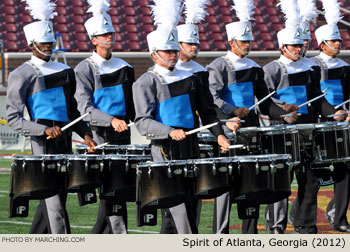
[131, 124]
[325, 90]
[290, 115]
[236, 146]
[225, 121]
[201, 128]
[312, 100]
[341, 104]
[101, 145]
[72, 123]
[339, 114]
[263, 99]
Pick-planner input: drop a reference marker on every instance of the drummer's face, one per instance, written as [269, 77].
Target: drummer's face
[168, 55]
[296, 50]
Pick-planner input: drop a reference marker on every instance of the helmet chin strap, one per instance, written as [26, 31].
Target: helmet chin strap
[41, 52]
[304, 51]
[239, 49]
[165, 61]
[188, 53]
[291, 54]
[106, 43]
[336, 50]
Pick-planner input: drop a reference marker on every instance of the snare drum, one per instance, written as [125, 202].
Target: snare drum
[207, 138]
[119, 176]
[323, 174]
[162, 184]
[261, 179]
[248, 137]
[36, 176]
[84, 172]
[331, 142]
[206, 150]
[280, 139]
[211, 176]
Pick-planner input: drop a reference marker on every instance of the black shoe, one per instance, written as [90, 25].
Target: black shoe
[276, 230]
[344, 229]
[330, 219]
[305, 230]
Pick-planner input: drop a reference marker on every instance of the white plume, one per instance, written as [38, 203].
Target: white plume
[291, 11]
[195, 11]
[307, 10]
[244, 9]
[166, 13]
[98, 7]
[41, 9]
[332, 11]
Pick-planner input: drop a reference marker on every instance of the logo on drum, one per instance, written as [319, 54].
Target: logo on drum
[264, 167]
[340, 140]
[20, 210]
[250, 210]
[177, 171]
[279, 166]
[223, 169]
[148, 217]
[116, 208]
[89, 196]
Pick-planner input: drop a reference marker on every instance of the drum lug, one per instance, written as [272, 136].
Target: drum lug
[257, 169]
[102, 165]
[230, 168]
[86, 166]
[211, 154]
[110, 165]
[195, 170]
[319, 153]
[127, 165]
[103, 151]
[150, 173]
[13, 166]
[138, 174]
[239, 166]
[169, 171]
[214, 169]
[185, 171]
[24, 166]
[42, 166]
[68, 165]
[273, 168]
[58, 166]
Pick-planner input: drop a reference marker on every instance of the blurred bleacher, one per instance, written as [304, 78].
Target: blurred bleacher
[132, 21]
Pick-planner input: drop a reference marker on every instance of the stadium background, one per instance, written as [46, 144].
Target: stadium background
[132, 22]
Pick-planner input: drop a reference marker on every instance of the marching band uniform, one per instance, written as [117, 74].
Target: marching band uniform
[104, 88]
[46, 89]
[234, 82]
[335, 74]
[295, 83]
[167, 99]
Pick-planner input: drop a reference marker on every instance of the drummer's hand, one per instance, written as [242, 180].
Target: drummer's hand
[340, 117]
[234, 126]
[290, 107]
[241, 112]
[90, 142]
[119, 125]
[177, 134]
[224, 143]
[53, 132]
[291, 119]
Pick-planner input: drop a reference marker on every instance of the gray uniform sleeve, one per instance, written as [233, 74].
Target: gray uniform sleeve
[272, 77]
[17, 91]
[84, 95]
[216, 84]
[144, 94]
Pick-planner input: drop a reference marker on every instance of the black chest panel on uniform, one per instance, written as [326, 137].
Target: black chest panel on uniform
[56, 79]
[299, 79]
[246, 75]
[181, 87]
[115, 78]
[336, 73]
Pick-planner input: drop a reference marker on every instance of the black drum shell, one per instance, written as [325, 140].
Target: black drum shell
[33, 182]
[119, 178]
[82, 178]
[207, 184]
[160, 191]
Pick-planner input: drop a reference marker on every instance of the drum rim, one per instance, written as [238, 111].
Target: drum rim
[84, 157]
[205, 147]
[128, 156]
[119, 147]
[210, 160]
[266, 157]
[163, 163]
[39, 157]
[331, 125]
[278, 127]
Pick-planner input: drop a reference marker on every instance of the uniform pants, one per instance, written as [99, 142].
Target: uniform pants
[276, 214]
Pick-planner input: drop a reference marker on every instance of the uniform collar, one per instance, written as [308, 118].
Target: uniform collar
[100, 60]
[327, 58]
[234, 57]
[286, 61]
[163, 71]
[38, 61]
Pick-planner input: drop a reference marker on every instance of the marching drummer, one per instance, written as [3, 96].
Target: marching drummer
[235, 81]
[104, 88]
[335, 75]
[166, 100]
[295, 84]
[46, 88]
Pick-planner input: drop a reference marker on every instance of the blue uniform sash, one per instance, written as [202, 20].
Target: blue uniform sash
[239, 94]
[110, 100]
[293, 94]
[334, 94]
